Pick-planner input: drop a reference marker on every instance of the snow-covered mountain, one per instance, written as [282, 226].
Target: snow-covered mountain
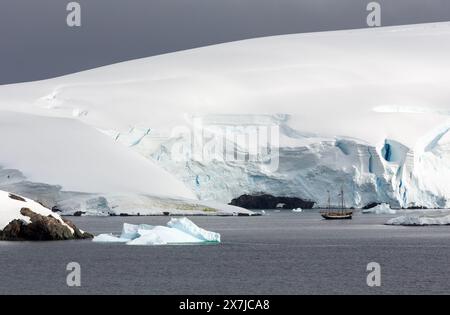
[364, 109]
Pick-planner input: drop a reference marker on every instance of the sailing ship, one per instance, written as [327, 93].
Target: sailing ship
[337, 214]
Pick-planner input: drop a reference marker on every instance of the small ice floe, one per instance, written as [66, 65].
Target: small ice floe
[419, 220]
[297, 210]
[383, 208]
[177, 231]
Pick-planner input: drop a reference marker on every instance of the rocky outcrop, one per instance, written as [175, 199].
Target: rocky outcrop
[41, 228]
[266, 201]
[15, 197]
[371, 205]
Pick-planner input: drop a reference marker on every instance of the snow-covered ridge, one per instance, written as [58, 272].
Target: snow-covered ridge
[364, 109]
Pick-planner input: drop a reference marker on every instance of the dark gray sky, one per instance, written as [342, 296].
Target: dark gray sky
[36, 43]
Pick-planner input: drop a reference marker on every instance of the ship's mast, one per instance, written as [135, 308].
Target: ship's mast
[342, 199]
[329, 199]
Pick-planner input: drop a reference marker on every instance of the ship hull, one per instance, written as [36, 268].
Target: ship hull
[337, 216]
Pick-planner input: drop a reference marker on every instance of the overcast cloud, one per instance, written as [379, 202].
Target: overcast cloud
[36, 43]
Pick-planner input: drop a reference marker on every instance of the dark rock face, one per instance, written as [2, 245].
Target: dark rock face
[266, 201]
[12, 230]
[15, 197]
[41, 228]
[371, 205]
[56, 209]
[240, 214]
[414, 207]
[77, 233]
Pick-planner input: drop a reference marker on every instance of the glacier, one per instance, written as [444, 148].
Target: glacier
[71, 167]
[367, 110]
[177, 231]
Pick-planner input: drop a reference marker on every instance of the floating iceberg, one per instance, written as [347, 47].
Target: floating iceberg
[187, 226]
[415, 220]
[383, 208]
[109, 238]
[177, 231]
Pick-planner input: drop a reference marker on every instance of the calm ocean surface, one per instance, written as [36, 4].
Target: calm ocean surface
[280, 253]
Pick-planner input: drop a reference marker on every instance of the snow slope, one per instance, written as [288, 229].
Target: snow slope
[66, 152]
[366, 109]
[67, 164]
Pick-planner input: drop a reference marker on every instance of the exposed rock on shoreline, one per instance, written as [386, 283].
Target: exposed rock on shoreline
[41, 228]
[23, 219]
[266, 201]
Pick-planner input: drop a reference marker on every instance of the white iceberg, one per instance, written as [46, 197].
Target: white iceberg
[109, 238]
[177, 231]
[298, 210]
[162, 235]
[383, 208]
[187, 226]
[419, 220]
